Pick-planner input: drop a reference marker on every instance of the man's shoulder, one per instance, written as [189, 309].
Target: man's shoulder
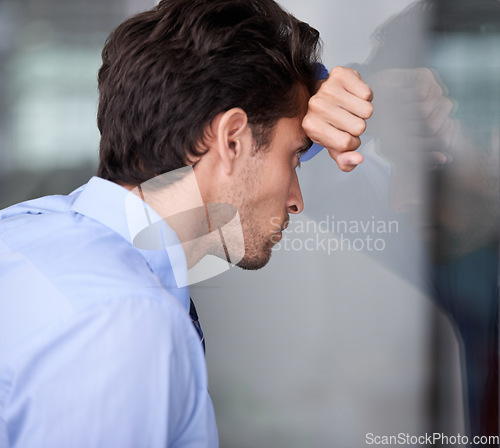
[48, 235]
[71, 272]
[28, 223]
[85, 261]
[58, 266]
[56, 203]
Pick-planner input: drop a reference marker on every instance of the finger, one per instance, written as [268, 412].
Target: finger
[329, 136]
[346, 161]
[429, 108]
[422, 76]
[411, 147]
[327, 102]
[439, 115]
[428, 90]
[421, 84]
[354, 104]
[395, 95]
[351, 81]
[347, 122]
[435, 123]
[337, 117]
[436, 159]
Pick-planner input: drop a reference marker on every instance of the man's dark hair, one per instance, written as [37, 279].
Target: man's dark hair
[169, 71]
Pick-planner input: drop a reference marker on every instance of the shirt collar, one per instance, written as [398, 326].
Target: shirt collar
[129, 216]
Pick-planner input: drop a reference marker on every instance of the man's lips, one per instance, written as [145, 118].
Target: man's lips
[278, 234]
[285, 224]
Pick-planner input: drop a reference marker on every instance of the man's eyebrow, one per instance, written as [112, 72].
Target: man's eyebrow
[305, 145]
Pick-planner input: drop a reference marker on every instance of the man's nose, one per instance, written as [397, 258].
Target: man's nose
[295, 202]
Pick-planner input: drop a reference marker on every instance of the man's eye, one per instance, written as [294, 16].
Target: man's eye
[299, 155]
[301, 152]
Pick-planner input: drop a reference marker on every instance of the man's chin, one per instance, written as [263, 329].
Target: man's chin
[254, 263]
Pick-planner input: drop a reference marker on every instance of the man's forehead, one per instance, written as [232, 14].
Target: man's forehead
[291, 129]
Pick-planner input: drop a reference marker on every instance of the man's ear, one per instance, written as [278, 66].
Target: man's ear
[233, 132]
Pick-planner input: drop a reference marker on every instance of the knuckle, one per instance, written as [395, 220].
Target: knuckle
[438, 88]
[359, 127]
[427, 75]
[341, 73]
[355, 143]
[368, 112]
[366, 94]
[425, 72]
[345, 142]
[337, 70]
[314, 103]
[425, 109]
[448, 104]
[307, 123]
[315, 100]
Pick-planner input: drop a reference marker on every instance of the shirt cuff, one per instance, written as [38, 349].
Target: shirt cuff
[321, 73]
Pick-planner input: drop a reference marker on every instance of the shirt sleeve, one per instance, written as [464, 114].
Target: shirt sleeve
[321, 71]
[128, 374]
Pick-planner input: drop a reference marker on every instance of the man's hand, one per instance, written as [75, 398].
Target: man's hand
[414, 119]
[336, 116]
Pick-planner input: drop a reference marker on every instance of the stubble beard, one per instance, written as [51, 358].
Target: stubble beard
[256, 258]
[258, 245]
[258, 248]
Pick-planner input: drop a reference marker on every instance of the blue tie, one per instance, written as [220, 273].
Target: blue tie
[196, 322]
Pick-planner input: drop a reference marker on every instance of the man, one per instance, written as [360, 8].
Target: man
[97, 345]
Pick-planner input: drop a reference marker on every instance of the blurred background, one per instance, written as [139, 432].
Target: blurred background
[378, 313]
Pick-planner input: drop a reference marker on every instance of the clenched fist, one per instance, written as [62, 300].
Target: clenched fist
[336, 116]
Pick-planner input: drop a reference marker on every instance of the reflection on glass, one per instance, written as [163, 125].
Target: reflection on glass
[437, 124]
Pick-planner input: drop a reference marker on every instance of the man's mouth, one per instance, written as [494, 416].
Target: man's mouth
[285, 224]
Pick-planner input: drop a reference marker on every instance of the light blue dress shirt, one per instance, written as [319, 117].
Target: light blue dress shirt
[97, 348]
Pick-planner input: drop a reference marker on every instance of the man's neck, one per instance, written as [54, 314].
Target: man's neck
[176, 197]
